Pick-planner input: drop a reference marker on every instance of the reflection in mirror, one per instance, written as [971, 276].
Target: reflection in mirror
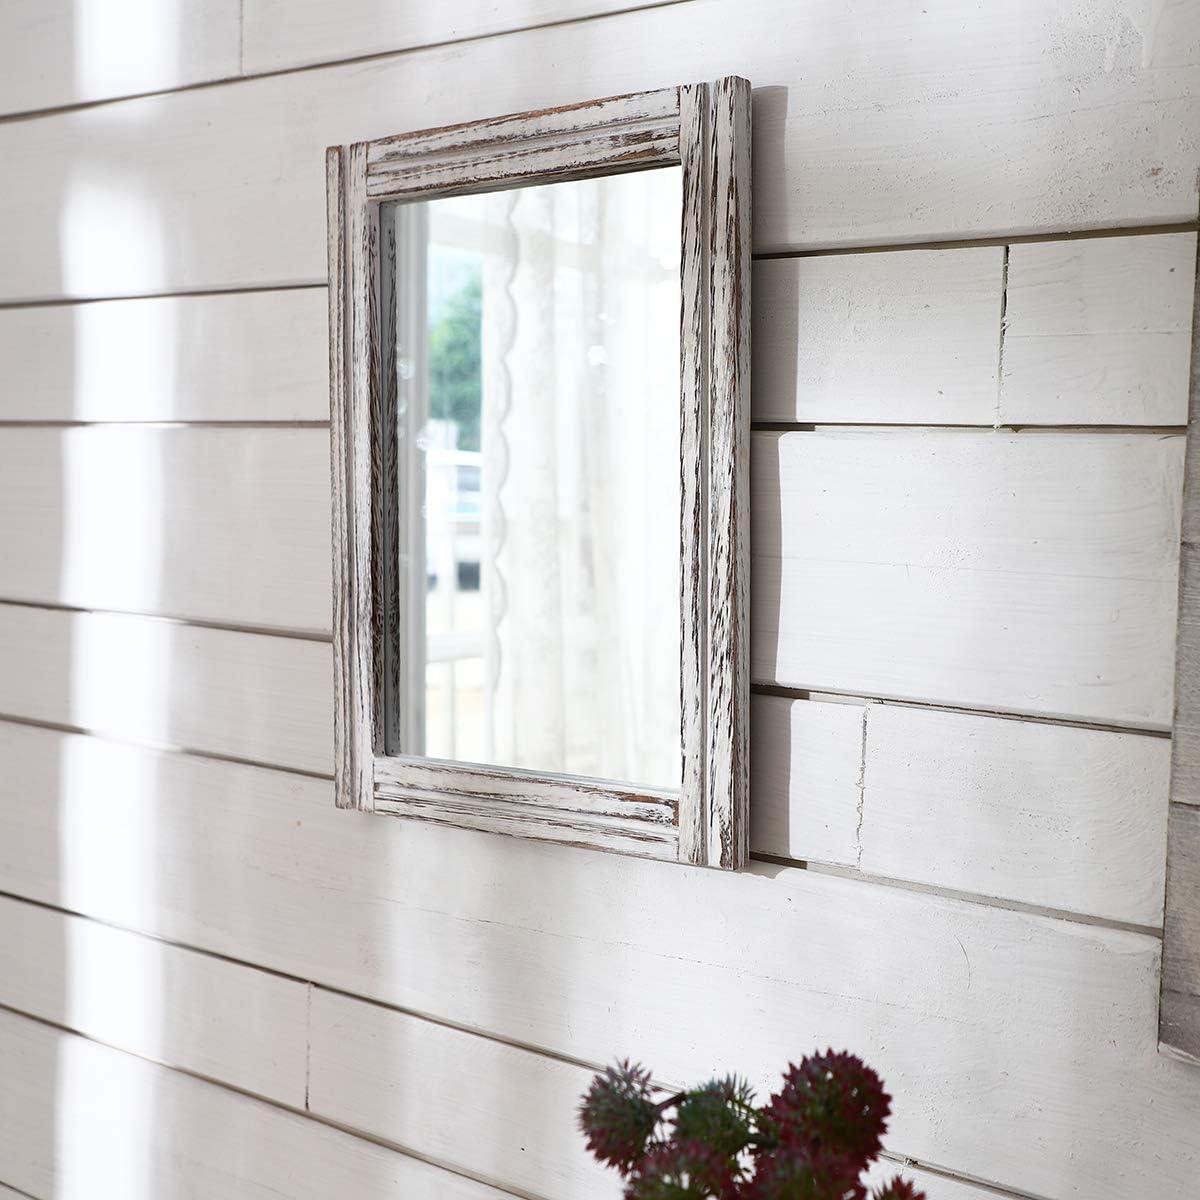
[537, 391]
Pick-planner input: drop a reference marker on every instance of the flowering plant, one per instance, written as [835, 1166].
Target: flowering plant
[812, 1140]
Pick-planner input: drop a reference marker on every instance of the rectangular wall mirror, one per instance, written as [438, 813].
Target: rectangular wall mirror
[540, 392]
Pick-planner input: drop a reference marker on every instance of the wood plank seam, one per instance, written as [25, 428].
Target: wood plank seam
[280, 1106]
[756, 256]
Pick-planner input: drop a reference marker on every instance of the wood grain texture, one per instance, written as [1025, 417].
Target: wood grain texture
[141, 519]
[58, 52]
[1098, 331]
[80, 1118]
[620, 133]
[724, 188]
[224, 187]
[695, 392]
[559, 808]
[287, 33]
[204, 1014]
[897, 338]
[563, 949]
[353, 332]
[216, 691]
[706, 127]
[251, 356]
[969, 568]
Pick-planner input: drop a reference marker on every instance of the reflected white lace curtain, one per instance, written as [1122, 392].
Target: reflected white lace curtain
[581, 478]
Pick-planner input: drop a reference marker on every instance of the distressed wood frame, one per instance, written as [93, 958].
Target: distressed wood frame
[1179, 1002]
[705, 128]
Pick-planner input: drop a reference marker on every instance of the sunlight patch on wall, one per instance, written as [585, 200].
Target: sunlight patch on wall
[130, 44]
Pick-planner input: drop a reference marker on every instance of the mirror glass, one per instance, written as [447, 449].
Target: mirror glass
[538, 414]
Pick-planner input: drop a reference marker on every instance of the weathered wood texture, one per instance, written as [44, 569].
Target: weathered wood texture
[903, 337]
[984, 1007]
[58, 52]
[76, 1115]
[597, 813]
[253, 356]
[210, 1016]
[140, 520]
[1098, 331]
[620, 133]
[243, 695]
[705, 128]
[277, 34]
[224, 187]
[352, 339]
[975, 569]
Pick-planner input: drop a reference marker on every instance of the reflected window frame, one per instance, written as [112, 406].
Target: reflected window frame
[378, 631]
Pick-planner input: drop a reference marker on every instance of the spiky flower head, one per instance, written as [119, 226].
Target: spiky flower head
[835, 1102]
[793, 1168]
[720, 1114]
[683, 1170]
[618, 1117]
[898, 1189]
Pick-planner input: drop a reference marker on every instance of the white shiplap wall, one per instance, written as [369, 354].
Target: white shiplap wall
[966, 488]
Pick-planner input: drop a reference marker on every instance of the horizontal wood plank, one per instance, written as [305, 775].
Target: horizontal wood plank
[901, 338]
[1030, 572]
[972, 803]
[238, 694]
[984, 1007]
[496, 1109]
[190, 1010]
[287, 33]
[982, 804]
[986, 789]
[1098, 331]
[80, 1118]
[806, 769]
[224, 187]
[905, 337]
[58, 52]
[250, 356]
[374, 1070]
[216, 524]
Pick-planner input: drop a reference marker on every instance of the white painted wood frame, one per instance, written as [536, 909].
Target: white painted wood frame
[705, 128]
[1179, 1001]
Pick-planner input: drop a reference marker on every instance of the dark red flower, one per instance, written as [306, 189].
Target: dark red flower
[836, 1102]
[898, 1189]
[618, 1116]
